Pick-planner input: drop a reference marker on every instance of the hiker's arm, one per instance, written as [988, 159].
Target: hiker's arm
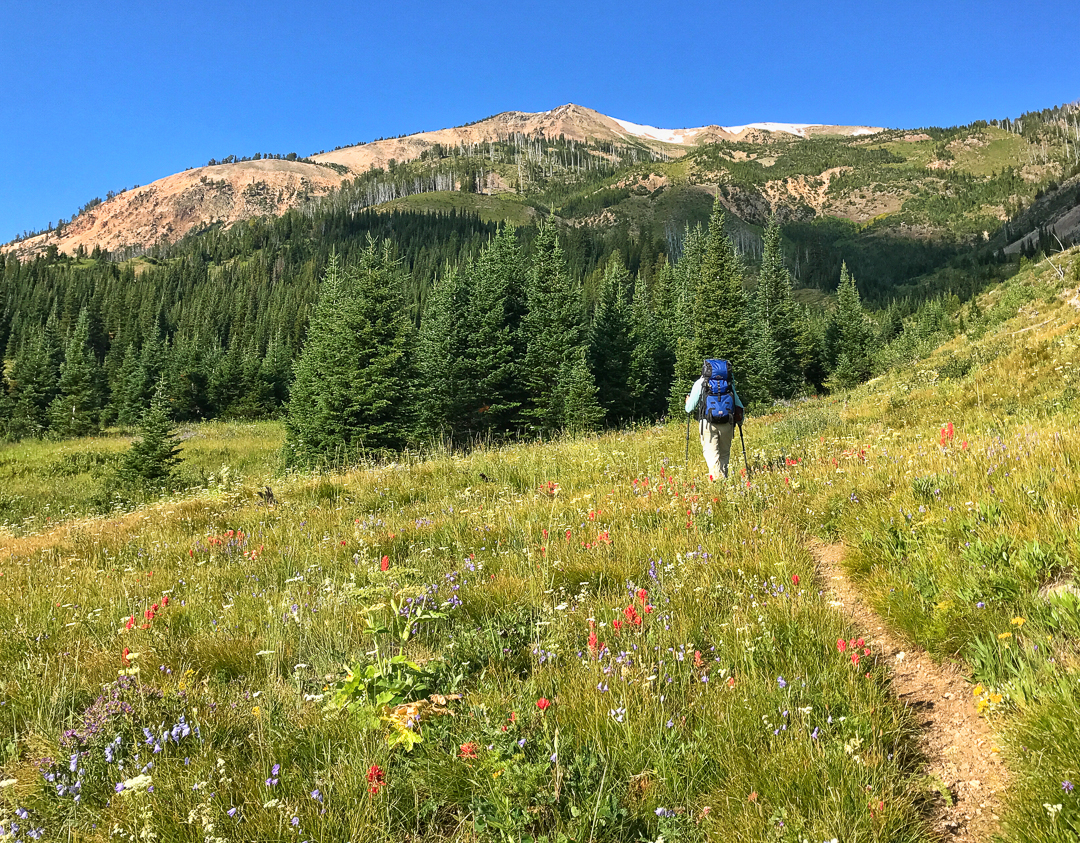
[694, 396]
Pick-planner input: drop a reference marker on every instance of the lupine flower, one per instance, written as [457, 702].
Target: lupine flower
[1067, 786]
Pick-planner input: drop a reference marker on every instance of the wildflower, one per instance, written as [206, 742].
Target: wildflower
[385, 563]
[376, 778]
[316, 795]
[468, 750]
[1067, 786]
[664, 812]
[980, 605]
[543, 703]
[841, 644]
[1018, 622]
[780, 681]
[231, 812]
[295, 821]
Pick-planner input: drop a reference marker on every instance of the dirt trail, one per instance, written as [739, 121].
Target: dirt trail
[958, 744]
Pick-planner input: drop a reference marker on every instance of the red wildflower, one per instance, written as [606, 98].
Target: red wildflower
[642, 594]
[795, 578]
[124, 657]
[468, 750]
[165, 600]
[130, 623]
[385, 563]
[376, 778]
[632, 616]
[731, 682]
[841, 644]
[616, 625]
[543, 703]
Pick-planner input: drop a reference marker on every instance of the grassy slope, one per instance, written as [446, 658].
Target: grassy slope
[726, 711]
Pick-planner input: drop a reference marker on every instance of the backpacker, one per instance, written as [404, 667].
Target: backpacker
[719, 404]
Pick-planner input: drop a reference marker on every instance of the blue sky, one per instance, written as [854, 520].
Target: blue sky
[101, 96]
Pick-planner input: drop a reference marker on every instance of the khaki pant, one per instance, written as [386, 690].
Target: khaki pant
[716, 446]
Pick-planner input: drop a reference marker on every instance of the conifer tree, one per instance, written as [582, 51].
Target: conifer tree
[609, 343]
[852, 336]
[32, 386]
[496, 344]
[775, 368]
[354, 383]
[679, 325]
[645, 383]
[576, 396]
[720, 318]
[75, 410]
[445, 388]
[153, 457]
[553, 328]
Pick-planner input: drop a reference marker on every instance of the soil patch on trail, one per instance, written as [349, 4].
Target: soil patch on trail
[963, 762]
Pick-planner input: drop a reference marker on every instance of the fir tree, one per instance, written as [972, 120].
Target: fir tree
[75, 410]
[496, 344]
[445, 389]
[679, 327]
[609, 343]
[720, 319]
[32, 386]
[645, 381]
[576, 395]
[354, 381]
[553, 328]
[775, 367]
[852, 336]
[152, 458]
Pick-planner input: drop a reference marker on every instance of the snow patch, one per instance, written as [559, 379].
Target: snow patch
[791, 128]
[653, 133]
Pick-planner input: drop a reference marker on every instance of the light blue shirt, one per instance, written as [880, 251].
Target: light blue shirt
[695, 395]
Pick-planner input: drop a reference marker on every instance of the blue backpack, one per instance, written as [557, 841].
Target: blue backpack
[719, 404]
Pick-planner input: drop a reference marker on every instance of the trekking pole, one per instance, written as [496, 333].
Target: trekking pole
[687, 465]
[745, 461]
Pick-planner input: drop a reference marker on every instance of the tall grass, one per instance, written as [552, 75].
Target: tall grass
[638, 653]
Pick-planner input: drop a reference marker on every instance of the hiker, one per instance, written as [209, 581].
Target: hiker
[719, 409]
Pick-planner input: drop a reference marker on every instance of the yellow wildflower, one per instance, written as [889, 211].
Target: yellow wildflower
[1003, 635]
[1018, 622]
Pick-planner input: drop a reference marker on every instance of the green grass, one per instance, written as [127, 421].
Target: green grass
[712, 702]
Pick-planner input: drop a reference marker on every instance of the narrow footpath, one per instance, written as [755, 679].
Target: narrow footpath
[959, 745]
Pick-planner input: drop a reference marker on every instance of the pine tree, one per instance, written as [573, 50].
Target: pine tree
[679, 325]
[32, 386]
[152, 458]
[720, 319]
[645, 384]
[609, 343]
[852, 336]
[496, 344]
[553, 328]
[775, 367]
[75, 410]
[445, 389]
[354, 382]
[576, 395]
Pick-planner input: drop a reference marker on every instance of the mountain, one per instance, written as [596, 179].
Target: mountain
[897, 202]
[170, 208]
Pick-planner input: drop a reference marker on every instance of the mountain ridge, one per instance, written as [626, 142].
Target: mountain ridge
[174, 206]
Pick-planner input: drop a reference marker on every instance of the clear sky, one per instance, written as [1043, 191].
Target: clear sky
[98, 96]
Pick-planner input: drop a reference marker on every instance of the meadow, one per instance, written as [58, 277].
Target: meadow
[580, 639]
